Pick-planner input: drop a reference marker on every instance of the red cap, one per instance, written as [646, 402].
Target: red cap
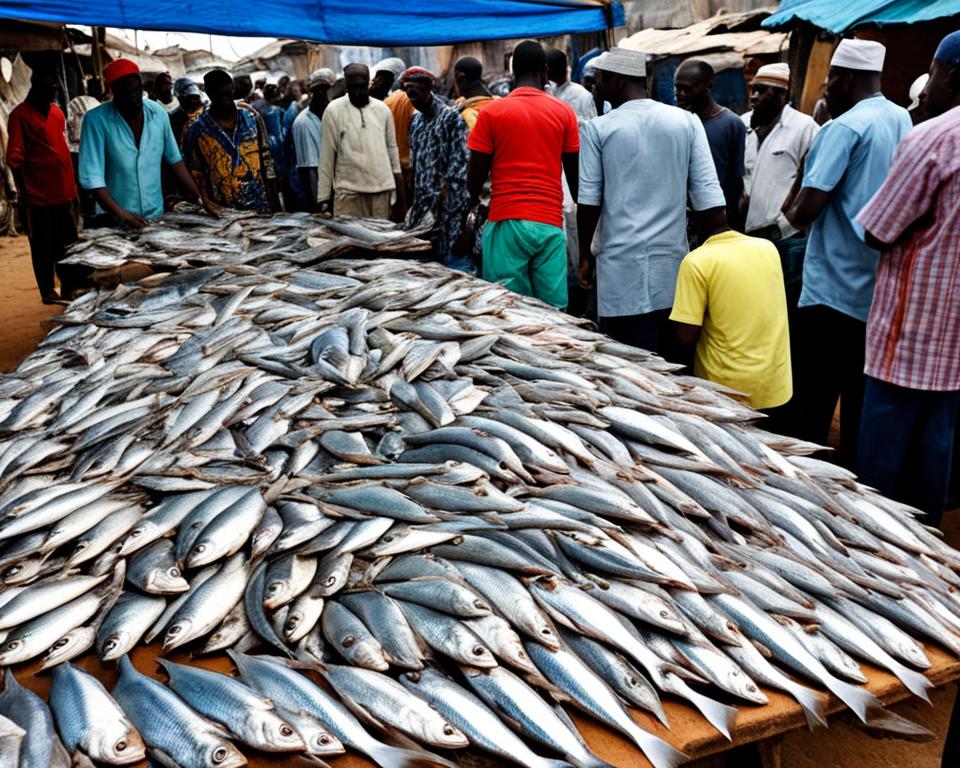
[117, 69]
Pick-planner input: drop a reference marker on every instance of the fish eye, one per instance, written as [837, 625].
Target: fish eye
[121, 745]
[274, 587]
[61, 642]
[478, 650]
[348, 641]
[632, 680]
[479, 604]
[219, 754]
[13, 570]
[14, 644]
[664, 614]
[752, 688]
[286, 730]
[110, 645]
[324, 739]
[457, 540]
[174, 572]
[330, 581]
[200, 548]
[174, 630]
[136, 532]
[546, 631]
[448, 730]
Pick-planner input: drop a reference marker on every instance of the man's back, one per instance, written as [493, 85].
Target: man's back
[849, 158]
[642, 162]
[527, 133]
[732, 286]
[726, 135]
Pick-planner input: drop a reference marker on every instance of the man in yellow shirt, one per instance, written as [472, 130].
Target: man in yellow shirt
[473, 94]
[730, 303]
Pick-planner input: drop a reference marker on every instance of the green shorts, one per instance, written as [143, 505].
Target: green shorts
[528, 257]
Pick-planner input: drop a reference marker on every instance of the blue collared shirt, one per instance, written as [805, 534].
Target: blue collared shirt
[109, 157]
[643, 163]
[849, 158]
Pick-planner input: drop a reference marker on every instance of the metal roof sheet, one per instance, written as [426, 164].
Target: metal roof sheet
[840, 17]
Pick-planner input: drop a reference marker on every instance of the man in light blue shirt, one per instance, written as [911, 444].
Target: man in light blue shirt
[123, 144]
[847, 163]
[640, 165]
[308, 130]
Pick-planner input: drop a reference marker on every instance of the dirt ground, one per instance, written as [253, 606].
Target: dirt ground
[24, 321]
[23, 317]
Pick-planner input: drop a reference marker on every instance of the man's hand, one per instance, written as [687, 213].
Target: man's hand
[131, 220]
[212, 208]
[325, 208]
[586, 272]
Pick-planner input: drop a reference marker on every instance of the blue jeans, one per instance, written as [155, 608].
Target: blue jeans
[906, 444]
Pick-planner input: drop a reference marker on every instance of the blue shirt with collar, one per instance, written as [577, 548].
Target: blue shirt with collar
[110, 157]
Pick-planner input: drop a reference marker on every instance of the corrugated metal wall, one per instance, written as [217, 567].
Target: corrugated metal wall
[672, 14]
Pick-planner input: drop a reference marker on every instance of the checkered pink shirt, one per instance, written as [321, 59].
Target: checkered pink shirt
[913, 333]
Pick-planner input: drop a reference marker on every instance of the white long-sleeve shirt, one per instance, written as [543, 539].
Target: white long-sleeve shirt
[358, 153]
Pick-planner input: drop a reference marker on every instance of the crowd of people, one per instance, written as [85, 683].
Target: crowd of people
[827, 258]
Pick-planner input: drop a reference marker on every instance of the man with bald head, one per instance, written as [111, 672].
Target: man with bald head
[359, 170]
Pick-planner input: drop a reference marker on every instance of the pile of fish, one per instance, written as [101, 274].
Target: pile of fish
[420, 513]
[189, 239]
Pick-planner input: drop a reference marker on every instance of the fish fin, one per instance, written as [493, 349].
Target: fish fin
[764, 651]
[659, 752]
[313, 760]
[720, 716]
[812, 703]
[391, 757]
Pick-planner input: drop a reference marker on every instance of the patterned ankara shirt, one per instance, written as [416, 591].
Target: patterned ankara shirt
[913, 332]
[438, 157]
[231, 169]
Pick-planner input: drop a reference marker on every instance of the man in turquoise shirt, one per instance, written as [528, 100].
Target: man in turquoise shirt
[123, 144]
[848, 162]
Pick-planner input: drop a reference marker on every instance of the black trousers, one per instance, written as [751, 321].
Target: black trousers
[650, 331]
[828, 350]
[52, 230]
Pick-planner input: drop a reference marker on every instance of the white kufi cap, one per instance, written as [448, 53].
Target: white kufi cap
[862, 55]
[623, 62]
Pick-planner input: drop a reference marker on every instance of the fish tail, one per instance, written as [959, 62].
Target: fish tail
[860, 700]
[813, 703]
[719, 715]
[658, 752]
[915, 682]
[393, 757]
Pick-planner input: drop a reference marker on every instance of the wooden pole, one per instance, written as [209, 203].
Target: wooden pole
[99, 34]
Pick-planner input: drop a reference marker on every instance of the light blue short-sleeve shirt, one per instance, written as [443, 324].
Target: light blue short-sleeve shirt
[849, 158]
[644, 163]
[109, 157]
[307, 132]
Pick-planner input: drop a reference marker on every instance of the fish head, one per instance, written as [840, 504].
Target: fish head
[139, 533]
[275, 732]
[177, 634]
[320, 741]
[203, 553]
[544, 631]
[222, 754]
[115, 645]
[440, 733]
[913, 653]
[120, 745]
[468, 603]
[166, 580]
[742, 685]
[275, 593]
[12, 650]
[69, 646]
[364, 653]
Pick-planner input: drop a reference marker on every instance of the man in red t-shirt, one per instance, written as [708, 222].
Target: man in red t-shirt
[524, 140]
[38, 155]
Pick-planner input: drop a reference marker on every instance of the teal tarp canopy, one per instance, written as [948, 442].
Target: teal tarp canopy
[838, 17]
[348, 22]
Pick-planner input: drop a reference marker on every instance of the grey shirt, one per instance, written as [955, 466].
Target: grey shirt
[643, 163]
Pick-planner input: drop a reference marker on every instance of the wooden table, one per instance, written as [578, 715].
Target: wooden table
[689, 732]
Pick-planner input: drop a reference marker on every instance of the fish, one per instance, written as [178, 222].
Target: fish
[169, 727]
[40, 745]
[89, 719]
[249, 717]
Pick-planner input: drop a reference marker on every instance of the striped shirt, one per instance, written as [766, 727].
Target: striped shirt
[913, 332]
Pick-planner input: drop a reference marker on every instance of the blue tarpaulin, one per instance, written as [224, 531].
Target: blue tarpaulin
[839, 17]
[347, 22]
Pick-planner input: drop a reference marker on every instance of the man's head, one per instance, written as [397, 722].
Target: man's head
[693, 83]
[242, 85]
[123, 79]
[294, 91]
[163, 88]
[769, 92]
[621, 75]
[711, 222]
[320, 82]
[529, 63]
[283, 83]
[188, 94]
[357, 79]
[219, 87]
[467, 72]
[943, 88]
[44, 84]
[271, 93]
[385, 73]
[418, 83]
[854, 74]
[556, 65]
